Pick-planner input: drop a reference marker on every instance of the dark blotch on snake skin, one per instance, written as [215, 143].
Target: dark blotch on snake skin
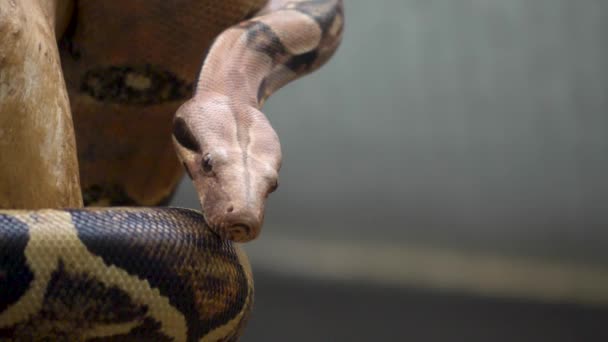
[137, 85]
[184, 136]
[76, 302]
[301, 63]
[261, 38]
[15, 275]
[115, 194]
[173, 260]
[322, 11]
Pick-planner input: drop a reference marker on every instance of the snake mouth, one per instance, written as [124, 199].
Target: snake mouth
[242, 226]
[236, 228]
[239, 232]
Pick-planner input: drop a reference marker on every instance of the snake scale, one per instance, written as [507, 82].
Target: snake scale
[122, 82]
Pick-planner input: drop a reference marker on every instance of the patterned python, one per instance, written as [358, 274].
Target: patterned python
[135, 273]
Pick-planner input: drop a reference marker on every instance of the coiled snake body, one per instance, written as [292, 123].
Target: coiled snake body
[94, 274]
[136, 273]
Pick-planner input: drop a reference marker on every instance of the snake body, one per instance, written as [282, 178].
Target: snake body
[125, 273]
[135, 273]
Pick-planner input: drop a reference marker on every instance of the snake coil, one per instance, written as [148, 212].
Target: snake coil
[134, 273]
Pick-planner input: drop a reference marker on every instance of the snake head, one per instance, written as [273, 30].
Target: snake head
[233, 156]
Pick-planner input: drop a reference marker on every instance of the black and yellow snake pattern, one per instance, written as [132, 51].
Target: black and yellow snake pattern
[119, 274]
[169, 274]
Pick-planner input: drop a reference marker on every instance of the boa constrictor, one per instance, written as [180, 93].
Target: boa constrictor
[156, 274]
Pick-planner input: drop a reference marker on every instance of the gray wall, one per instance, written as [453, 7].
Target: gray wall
[472, 124]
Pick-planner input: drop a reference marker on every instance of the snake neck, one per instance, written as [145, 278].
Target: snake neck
[252, 60]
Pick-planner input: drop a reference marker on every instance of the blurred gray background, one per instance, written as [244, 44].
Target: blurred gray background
[444, 179]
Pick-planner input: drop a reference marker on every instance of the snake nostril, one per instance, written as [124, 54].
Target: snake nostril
[230, 209]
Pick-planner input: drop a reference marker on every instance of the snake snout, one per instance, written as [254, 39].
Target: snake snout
[242, 227]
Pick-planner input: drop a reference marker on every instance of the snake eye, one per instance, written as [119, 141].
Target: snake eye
[207, 163]
[273, 186]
